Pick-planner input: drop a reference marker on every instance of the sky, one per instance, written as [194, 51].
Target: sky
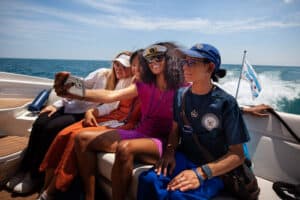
[98, 30]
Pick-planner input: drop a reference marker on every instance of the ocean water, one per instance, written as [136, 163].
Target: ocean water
[280, 85]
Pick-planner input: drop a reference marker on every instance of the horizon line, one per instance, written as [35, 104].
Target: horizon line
[86, 59]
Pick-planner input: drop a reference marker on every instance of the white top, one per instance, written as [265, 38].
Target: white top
[106, 108]
[95, 80]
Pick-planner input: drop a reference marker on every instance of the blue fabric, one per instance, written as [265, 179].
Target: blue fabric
[246, 152]
[153, 187]
[215, 118]
[39, 101]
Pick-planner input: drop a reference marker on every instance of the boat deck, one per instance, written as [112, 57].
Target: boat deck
[13, 102]
[5, 195]
[10, 145]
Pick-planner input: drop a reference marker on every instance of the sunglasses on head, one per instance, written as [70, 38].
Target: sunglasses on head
[157, 58]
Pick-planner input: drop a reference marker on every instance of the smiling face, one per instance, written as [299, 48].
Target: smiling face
[157, 64]
[195, 69]
[121, 71]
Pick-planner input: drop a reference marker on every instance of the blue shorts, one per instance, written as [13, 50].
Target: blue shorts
[152, 187]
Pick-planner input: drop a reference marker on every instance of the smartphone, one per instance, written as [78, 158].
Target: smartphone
[78, 87]
[112, 123]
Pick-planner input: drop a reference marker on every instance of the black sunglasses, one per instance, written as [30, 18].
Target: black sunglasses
[157, 58]
[191, 62]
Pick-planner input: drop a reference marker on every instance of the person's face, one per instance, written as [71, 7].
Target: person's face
[121, 71]
[136, 68]
[157, 64]
[195, 69]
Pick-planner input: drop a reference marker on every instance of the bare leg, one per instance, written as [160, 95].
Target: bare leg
[51, 189]
[127, 151]
[86, 145]
[49, 173]
[49, 186]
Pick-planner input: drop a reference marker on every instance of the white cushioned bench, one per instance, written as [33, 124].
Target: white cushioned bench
[105, 162]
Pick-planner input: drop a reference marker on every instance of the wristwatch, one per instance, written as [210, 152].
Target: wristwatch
[207, 171]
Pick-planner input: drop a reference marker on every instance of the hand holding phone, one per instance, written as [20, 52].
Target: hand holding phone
[77, 87]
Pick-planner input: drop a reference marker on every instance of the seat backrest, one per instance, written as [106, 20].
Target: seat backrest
[52, 97]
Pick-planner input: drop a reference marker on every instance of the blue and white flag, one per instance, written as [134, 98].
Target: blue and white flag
[249, 75]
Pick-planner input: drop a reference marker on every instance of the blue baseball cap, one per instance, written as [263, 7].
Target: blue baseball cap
[204, 51]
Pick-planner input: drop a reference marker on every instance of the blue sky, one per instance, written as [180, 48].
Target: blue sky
[85, 29]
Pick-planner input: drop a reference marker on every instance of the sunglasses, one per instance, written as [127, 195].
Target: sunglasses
[156, 59]
[190, 62]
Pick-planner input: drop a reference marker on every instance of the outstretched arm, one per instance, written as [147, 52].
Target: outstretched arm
[97, 95]
[107, 96]
[260, 110]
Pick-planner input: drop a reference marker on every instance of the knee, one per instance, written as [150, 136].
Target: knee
[81, 141]
[41, 121]
[124, 151]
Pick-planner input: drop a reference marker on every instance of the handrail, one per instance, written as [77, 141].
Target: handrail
[285, 124]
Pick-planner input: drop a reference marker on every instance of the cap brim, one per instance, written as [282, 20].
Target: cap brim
[191, 53]
[123, 61]
[154, 50]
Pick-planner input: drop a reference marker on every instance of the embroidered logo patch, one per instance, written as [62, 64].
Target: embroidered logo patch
[199, 46]
[194, 114]
[210, 121]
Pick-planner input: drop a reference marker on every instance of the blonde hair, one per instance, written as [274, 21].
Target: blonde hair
[111, 79]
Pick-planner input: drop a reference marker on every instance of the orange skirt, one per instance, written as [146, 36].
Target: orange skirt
[61, 155]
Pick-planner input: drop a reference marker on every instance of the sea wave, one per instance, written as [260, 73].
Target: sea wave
[283, 95]
[281, 85]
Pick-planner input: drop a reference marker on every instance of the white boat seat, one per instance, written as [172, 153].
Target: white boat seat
[52, 97]
[104, 167]
[26, 117]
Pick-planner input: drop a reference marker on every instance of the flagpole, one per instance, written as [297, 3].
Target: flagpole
[238, 86]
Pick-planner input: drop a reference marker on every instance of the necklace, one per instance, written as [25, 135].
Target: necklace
[194, 113]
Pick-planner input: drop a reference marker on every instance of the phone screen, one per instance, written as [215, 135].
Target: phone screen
[78, 87]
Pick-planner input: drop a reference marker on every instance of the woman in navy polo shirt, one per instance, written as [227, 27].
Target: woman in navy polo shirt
[213, 120]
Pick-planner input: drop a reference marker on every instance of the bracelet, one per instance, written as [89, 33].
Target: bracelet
[200, 178]
[170, 146]
[207, 171]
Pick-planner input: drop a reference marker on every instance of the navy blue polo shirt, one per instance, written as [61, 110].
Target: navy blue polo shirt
[215, 118]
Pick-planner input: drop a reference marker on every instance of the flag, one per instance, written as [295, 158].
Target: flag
[249, 75]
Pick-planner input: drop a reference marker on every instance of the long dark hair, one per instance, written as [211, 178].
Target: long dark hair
[138, 53]
[173, 71]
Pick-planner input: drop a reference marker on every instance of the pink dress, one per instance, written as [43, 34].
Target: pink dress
[157, 115]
